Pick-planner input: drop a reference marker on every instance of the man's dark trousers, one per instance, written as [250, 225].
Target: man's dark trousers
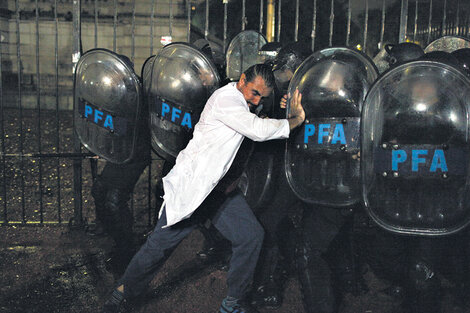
[235, 221]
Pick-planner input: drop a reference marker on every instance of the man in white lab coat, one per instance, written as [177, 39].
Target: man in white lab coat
[225, 121]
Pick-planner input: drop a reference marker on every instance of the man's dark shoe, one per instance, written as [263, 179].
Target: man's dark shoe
[231, 305]
[113, 304]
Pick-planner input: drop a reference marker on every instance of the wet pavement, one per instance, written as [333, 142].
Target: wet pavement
[55, 269]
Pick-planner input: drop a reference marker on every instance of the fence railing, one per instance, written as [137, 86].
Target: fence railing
[45, 173]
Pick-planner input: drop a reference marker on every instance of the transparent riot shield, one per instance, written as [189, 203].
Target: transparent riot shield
[415, 149]
[242, 52]
[107, 105]
[448, 44]
[322, 156]
[177, 84]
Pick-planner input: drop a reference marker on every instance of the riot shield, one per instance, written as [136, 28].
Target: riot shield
[242, 52]
[448, 44]
[321, 157]
[256, 180]
[107, 105]
[415, 149]
[177, 84]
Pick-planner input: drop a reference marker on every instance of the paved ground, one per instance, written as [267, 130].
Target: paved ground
[55, 269]
[52, 269]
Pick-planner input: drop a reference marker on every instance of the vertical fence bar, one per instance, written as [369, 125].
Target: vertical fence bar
[188, 35]
[416, 21]
[114, 24]
[270, 20]
[2, 130]
[225, 23]
[57, 120]
[206, 28]
[188, 26]
[348, 24]
[20, 109]
[152, 17]
[403, 20]
[296, 33]
[96, 22]
[314, 24]
[451, 27]
[428, 40]
[261, 16]
[149, 197]
[243, 14]
[133, 32]
[171, 17]
[77, 163]
[132, 60]
[382, 28]
[332, 19]
[279, 18]
[467, 21]
[38, 107]
[444, 17]
[366, 22]
[457, 19]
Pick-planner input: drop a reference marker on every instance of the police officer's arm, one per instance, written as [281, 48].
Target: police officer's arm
[296, 111]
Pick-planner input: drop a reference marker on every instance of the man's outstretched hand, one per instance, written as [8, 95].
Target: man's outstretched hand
[296, 112]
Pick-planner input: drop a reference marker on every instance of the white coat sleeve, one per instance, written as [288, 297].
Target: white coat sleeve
[236, 115]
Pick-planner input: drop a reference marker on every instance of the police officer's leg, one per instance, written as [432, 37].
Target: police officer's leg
[343, 261]
[237, 223]
[267, 289]
[386, 255]
[455, 266]
[320, 226]
[424, 291]
[112, 190]
[269, 277]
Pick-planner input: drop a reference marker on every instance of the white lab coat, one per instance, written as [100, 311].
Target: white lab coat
[225, 121]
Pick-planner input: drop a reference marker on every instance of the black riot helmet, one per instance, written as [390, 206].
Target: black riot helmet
[291, 55]
[443, 57]
[403, 52]
[463, 56]
[211, 51]
[268, 52]
[205, 47]
[287, 61]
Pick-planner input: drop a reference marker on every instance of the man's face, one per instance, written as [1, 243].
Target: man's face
[253, 91]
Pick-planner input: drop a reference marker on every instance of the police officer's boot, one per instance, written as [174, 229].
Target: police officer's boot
[216, 248]
[424, 291]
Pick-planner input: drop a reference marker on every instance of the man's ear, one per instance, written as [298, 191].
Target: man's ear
[243, 79]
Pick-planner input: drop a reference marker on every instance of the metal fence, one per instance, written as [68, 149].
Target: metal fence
[45, 173]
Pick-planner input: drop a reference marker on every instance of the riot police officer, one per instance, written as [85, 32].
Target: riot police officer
[273, 211]
[112, 190]
[421, 112]
[322, 168]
